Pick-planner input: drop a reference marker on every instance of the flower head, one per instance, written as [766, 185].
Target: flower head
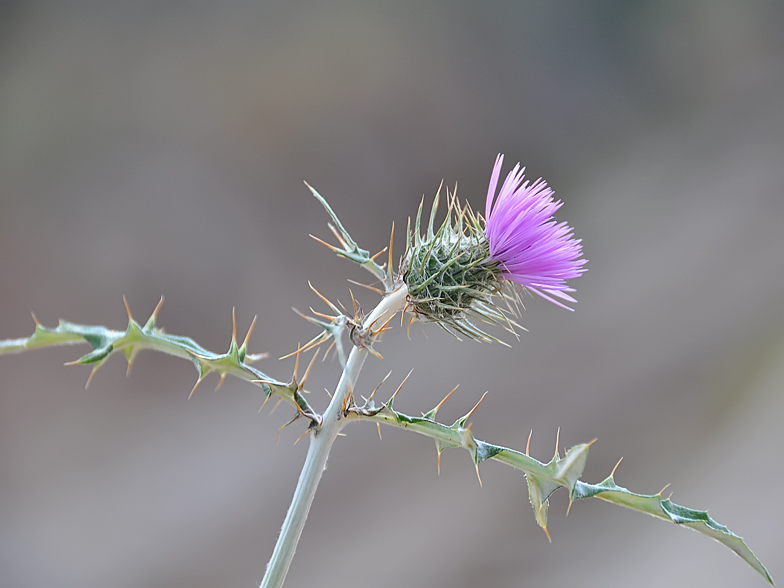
[461, 271]
[533, 249]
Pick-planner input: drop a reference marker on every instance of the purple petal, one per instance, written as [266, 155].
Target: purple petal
[533, 248]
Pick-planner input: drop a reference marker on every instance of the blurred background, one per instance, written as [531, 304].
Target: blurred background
[159, 148]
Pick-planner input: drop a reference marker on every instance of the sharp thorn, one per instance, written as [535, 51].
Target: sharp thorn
[35, 319]
[307, 371]
[438, 463]
[263, 403]
[339, 237]
[557, 438]
[383, 327]
[331, 247]
[612, 473]
[331, 345]
[378, 426]
[196, 385]
[250, 331]
[127, 309]
[324, 298]
[297, 352]
[663, 489]
[569, 508]
[440, 404]
[478, 477]
[233, 326]
[90, 377]
[301, 436]
[274, 408]
[384, 250]
[528, 445]
[391, 239]
[296, 364]
[470, 412]
[154, 315]
[379, 386]
[546, 532]
[220, 382]
[375, 353]
[401, 385]
[354, 303]
[372, 288]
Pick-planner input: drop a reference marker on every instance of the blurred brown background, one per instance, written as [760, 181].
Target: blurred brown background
[159, 148]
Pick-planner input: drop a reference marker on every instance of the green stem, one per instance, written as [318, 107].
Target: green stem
[320, 444]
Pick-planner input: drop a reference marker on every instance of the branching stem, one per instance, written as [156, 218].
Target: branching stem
[320, 444]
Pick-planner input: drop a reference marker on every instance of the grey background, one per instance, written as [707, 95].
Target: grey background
[159, 148]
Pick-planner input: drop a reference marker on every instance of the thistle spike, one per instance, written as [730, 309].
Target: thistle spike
[301, 436]
[470, 412]
[220, 381]
[324, 298]
[354, 304]
[378, 426]
[612, 473]
[296, 365]
[379, 386]
[307, 371]
[373, 257]
[528, 444]
[326, 353]
[557, 437]
[432, 413]
[127, 309]
[338, 236]
[324, 243]
[546, 532]
[433, 211]
[150, 324]
[417, 224]
[233, 327]
[274, 408]
[382, 328]
[389, 262]
[478, 477]
[662, 490]
[92, 373]
[374, 353]
[371, 288]
[392, 398]
[263, 403]
[250, 331]
[196, 385]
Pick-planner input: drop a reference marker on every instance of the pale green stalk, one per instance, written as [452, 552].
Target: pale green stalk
[320, 444]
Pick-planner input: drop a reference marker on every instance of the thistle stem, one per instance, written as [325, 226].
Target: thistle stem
[320, 444]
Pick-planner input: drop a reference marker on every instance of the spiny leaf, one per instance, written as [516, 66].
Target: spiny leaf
[350, 249]
[656, 506]
[106, 342]
[544, 479]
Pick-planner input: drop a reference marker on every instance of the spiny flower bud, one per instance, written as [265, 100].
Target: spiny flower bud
[461, 271]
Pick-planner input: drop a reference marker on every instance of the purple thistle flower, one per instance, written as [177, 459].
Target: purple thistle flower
[533, 249]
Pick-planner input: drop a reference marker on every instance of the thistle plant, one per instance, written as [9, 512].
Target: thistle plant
[465, 274]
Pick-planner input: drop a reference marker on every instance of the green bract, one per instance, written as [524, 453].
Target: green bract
[450, 276]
